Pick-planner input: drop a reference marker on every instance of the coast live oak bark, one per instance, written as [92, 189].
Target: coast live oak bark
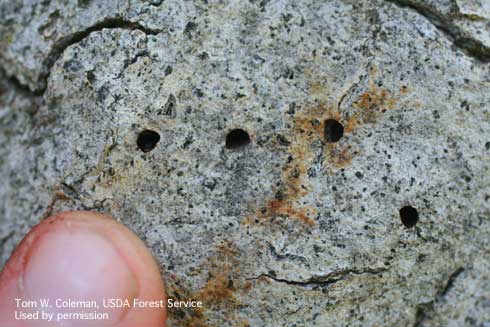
[348, 111]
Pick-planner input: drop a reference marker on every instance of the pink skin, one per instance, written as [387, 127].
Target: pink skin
[82, 256]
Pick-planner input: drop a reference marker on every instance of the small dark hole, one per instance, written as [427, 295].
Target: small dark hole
[409, 216]
[333, 130]
[147, 140]
[237, 138]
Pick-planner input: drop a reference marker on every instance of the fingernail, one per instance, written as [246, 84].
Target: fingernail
[78, 270]
[81, 265]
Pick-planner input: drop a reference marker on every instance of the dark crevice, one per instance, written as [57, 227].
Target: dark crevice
[450, 282]
[129, 62]
[324, 280]
[423, 310]
[60, 46]
[143, 53]
[461, 40]
[16, 84]
[5, 238]
[156, 3]
[421, 313]
[70, 191]
[287, 256]
[3, 241]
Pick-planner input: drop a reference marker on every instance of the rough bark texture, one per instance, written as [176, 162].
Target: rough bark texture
[288, 230]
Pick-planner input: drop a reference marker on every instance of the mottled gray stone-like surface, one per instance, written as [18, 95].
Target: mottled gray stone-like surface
[288, 230]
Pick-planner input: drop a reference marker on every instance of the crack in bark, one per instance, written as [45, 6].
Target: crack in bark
[15, 83]
[461, 39]
[5, 238]
[323, 280]
[422, 308]
[3, 241]
[62, 44]
[450, 282]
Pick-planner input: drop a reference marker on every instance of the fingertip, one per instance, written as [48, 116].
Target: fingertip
[85, 256]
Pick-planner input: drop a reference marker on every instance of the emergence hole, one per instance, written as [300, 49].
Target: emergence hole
[409, 216]
[147, 140]
[237, 138]
[333, 130]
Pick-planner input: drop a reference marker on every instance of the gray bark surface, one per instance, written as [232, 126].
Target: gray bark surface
[288, 230]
